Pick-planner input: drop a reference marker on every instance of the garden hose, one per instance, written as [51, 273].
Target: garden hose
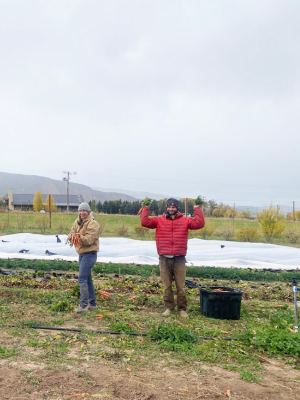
[53, 328]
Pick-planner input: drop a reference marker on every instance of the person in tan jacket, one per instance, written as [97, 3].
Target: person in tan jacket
[89, 231]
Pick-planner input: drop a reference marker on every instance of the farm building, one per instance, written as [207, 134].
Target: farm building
[24, 202]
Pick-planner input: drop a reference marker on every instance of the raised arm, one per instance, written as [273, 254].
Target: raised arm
[198, 221]
[146, 221]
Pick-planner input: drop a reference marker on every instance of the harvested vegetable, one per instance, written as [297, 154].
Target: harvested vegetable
[104, 294]
[199, 201]
[147, 201]
[75, 240]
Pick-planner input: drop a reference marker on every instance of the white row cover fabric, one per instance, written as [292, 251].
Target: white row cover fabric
[127, 251]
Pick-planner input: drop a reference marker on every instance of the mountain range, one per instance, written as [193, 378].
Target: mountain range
[28, 184]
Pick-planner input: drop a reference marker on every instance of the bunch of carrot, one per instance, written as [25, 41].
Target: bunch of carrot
[104, 295]
[75, 240]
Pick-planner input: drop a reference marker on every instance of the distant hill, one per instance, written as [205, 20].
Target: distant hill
[27, 184]
[141, 194]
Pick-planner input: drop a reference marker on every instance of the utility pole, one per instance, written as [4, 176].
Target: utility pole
[294, 210]
[233, 214]
[186, 207]
[49, 196]
[67, 180]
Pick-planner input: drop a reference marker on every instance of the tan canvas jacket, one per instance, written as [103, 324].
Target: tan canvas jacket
[89, 234]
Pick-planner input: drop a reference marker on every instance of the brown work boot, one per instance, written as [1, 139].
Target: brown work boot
[183, 314]
[167, 313]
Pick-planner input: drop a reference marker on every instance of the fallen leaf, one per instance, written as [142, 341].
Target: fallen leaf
[122, 309]
[128, 369]
[228, 393]
[278, 306]
[99, 316]
[197, 329]
[224, 332]
[292, 330]
[254, 332]
[31, 306]
[111, 314]
[132, 297]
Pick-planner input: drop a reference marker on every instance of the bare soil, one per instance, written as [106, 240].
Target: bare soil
[109, 380]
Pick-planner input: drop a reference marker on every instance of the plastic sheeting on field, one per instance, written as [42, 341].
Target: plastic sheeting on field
[122, 250]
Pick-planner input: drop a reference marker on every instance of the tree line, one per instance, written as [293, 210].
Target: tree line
[158, 207]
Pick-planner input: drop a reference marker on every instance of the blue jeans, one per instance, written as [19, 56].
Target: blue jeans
[87, 290]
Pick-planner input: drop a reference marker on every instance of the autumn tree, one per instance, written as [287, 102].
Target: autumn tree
[53, 205]
[38, 203]
[271, 222]
[245, 214]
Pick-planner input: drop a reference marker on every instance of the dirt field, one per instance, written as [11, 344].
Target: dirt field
[206, 359]
[107, 380]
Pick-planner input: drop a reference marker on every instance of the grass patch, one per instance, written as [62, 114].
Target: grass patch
[6, 352]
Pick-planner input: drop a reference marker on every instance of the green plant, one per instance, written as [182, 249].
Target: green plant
[249, 376]
[31, 376]
[199, 201]
[21, 222]
[42, 222]
[120, 327]
[226, 231]
[140, 230]
[173, 337]
[276, 338]
[207, 231]
[292, 235]
[5, 352]
[61, 227]
[102, 224]
[247, 235]
[244, 214]
[146, 202]
[271, 222]
[76, 290]
[62, 305]
[121, 230]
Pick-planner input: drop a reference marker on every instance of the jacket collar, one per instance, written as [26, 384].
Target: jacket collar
[89, 218]
[178, 215]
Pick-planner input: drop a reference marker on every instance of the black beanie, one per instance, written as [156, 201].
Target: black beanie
[173, 202]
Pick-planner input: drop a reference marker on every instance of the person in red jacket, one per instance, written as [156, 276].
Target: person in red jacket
[171, 242]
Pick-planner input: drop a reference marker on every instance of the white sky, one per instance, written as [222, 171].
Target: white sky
[179, 97]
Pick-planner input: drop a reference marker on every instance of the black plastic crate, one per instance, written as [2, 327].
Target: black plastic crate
[220, 305]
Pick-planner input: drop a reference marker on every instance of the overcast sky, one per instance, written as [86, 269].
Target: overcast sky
[178, 97]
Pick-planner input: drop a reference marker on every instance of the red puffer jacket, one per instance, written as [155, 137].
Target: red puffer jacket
[172, 235]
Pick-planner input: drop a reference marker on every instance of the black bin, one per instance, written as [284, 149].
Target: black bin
[220, 305]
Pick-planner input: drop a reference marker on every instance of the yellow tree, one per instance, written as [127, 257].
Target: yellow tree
[53, 205]
[38, 203]
[271, 222]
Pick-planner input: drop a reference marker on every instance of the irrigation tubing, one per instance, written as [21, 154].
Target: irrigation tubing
[53, 328]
